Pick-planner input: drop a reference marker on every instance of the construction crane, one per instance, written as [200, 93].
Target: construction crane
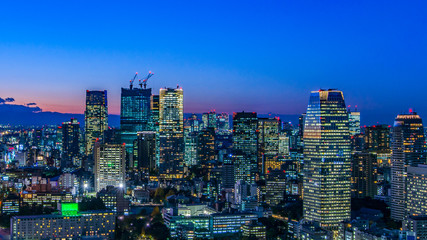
[132, 80]
[144, 81]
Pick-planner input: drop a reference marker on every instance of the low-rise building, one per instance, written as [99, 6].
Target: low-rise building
[70, 224]
[254, 230]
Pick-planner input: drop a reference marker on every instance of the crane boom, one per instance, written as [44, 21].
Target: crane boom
[144, 81]
[132, 80]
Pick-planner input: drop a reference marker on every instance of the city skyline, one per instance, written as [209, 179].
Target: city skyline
[364, 49]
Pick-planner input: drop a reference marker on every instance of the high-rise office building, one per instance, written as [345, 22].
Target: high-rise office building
[190, 151]
[135, 114]
[364, 173]
[110, 160]
[155, 112]
[209, 120]
[354, 122]
[145, 151]
[223, 123]
[300, 136]
[408, 149]
[96, 118]
[268, 142]
[245, 145]
[171, 132]
[377, 138]
[71, 144]
[327, 175]
[416, 198]
[206, 145]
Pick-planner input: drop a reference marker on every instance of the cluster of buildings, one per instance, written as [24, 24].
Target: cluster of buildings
[228, 171]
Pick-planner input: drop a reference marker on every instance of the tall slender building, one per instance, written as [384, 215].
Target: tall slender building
[354, 122]
[364, 175]
[155, 112]
[210, 120]
[268, 143]
[408, 149]
[145, 151]
[171, 132]
[109, 165]
[245, 146]
[327, 164]
[223, 123]
[96, 118]
[135, 114]
[70, 145]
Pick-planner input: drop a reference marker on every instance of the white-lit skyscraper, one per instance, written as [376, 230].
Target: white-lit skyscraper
[408, 149]
[171, 132]
[327, 175]
[96, 118]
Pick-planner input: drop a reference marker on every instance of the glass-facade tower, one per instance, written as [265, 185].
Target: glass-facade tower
[327, 173]
[135, 114]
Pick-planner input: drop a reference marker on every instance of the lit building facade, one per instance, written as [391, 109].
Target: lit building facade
[135, 114]
[408, 149]
[171, 132]
[245, 146]
[327, 164]
[96, 118]
[71, 144]
[377, 138]
[144, 154]
[110, 160]
[155, 112]
[223, 123]
[254, 230]
[354, 122]
[268, 143]
[416, 198]
[364, 173]
[206, 145]
[68, 225]
[225, 224]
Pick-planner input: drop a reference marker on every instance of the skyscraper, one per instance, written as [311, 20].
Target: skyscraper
[364, 173]
[96, 118]
[209, 120]
[300, 136]
[327, 173]
[109, 165]
[206, 145]
[408, 149]
[70, 144]
[268, 142]
[377, 138]
[416, 190]
[354, 122]
[223, 123]
[135, 114]
[171, 132]
[245, 145]
[145, 151]
[155, 112]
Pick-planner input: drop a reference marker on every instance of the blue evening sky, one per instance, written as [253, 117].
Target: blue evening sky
[263, 56]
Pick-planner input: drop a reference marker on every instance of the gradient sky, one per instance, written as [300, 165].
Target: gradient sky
[263, 56]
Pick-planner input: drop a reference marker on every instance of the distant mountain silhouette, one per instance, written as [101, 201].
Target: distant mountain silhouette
[31, 115]
[34, 116]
